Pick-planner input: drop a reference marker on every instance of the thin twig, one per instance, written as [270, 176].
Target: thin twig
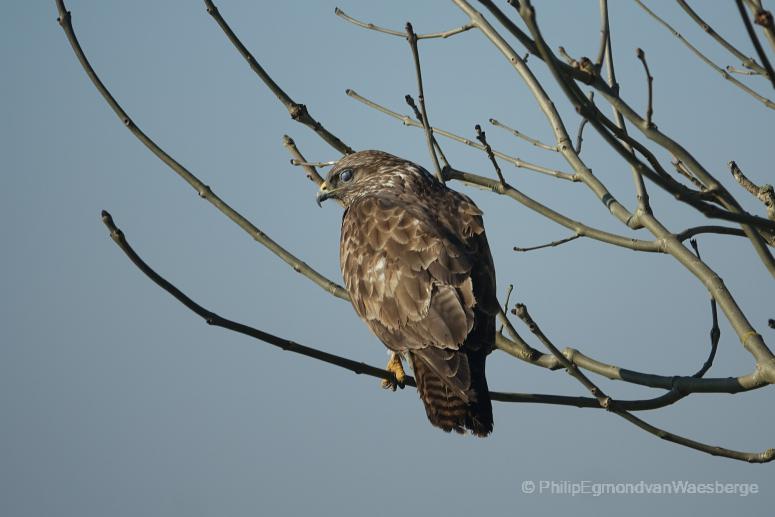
[509, 289]
[750, 457]
[532, 49]
[371, 26]
[567, 57]
[733, 70]
[650, 80]
[298, 159]
[715, 331]
[412, 39]
[755, 40]
[604, 400]
[410, 101]
[482, 137]
[297, 111]
[582, 125]
[718, 230]
[580, 134]
[523, 136]
[550, 244]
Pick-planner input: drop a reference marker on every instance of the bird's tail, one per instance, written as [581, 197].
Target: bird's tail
[451, 409]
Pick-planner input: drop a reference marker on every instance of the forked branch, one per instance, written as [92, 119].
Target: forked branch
[607, 403]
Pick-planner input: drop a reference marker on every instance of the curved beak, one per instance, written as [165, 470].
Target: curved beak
[323, 194]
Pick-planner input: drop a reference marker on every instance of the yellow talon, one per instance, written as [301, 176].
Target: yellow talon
[395, 367]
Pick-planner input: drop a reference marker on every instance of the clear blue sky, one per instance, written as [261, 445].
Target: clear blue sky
[116, 400]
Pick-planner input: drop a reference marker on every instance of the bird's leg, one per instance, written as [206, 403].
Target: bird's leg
[395, 367]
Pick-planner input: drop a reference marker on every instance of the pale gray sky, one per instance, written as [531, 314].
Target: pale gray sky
[116, 400]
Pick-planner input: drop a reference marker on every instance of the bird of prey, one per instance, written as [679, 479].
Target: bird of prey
[417, 266]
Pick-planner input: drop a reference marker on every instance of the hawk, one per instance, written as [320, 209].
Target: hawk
[417, 266]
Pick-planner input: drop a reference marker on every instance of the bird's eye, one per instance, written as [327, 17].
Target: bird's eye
[346, 175]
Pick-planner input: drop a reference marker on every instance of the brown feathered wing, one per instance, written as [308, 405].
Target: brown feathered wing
[420, 274]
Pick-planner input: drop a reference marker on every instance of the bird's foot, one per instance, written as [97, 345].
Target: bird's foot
[395, 367]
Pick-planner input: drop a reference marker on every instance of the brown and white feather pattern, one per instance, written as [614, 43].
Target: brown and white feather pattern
[418, 268]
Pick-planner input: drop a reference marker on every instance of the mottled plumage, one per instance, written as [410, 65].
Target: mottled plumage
[415, 260]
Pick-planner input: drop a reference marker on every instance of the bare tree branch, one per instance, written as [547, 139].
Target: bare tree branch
[734, 70]
[582, 125]
[752, 66]
[715, 331]
[767, 102]
[605, 37]
[604, 400]
[410, 101]
[482, 137]
[550, 244]
[719, 230]
[751, 457]
[607, 403]
[686, 173]
[641, 193]
[298, 112]
[298, 159]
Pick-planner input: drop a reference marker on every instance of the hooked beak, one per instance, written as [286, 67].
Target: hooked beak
[323, 194]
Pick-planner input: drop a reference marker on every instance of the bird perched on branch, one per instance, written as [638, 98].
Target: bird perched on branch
[417, 266]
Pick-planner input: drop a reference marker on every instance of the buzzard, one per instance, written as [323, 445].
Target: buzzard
[416, 263]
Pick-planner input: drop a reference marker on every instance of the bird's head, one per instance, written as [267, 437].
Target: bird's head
[368, 173]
